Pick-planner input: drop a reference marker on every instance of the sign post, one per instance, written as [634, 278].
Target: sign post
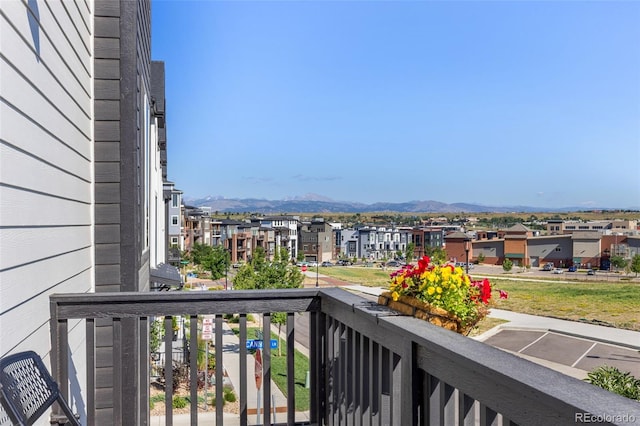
[258, 376]
[206, 335]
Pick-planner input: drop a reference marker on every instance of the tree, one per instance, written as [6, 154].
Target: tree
[408, 254]
[262, 275]
[199, 252]
[480, 258]
[216, 261]
[259, 274]
[437, 254]
[507, 265]
[618, 262]
[635, 264]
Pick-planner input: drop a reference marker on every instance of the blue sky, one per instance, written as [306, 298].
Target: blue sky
[499, 103]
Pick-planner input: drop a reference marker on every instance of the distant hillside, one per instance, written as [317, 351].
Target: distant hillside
[317, 204]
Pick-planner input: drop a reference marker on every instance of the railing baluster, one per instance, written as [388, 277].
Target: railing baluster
[291, 380]
[168, 370]
[332, 397]
[117, 371]
[466, 410]
[348, 375]
[266, 368]
[399, 410]
[488, 417]
[435, 404]
[219, 370]
[448, 402]
[193, 367]
[243, 370]
[366, 387]
[91, 368]
[385, 394]
[376, 378]
[357, 378]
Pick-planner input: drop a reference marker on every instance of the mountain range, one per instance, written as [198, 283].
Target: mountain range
[313, 203]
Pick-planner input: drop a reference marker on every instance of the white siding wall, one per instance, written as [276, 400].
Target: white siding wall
[157, 225]
[46, 173]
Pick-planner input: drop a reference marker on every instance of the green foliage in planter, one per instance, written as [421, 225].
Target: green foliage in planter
[180, 402]
[614, 380]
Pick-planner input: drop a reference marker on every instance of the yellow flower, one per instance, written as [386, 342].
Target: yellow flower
[431, 290]
[439, 290]
[395, 296]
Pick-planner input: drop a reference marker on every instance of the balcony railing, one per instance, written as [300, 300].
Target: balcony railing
[368, 364]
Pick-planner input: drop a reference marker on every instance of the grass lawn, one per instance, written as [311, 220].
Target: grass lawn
[612, 303]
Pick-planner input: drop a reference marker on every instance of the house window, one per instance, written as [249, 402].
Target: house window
[174, 220]
[174, 240]
[558, 248]
[175, 198]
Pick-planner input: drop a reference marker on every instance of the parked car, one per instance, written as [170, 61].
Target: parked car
[547, 267]
[343, 263]
[393, 264]
[557, 271]
[326, 263]
[591, 272]
[312, 264]
[572, 268]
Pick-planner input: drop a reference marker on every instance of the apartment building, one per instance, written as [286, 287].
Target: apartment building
[316, 240]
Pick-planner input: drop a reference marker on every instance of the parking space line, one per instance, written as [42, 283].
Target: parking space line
[534, 342]
[584, 354]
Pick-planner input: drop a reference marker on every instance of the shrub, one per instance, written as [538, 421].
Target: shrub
[614, 380]
[180, 402]
[229, 396]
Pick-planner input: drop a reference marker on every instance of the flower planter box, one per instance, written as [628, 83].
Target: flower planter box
[424, 311]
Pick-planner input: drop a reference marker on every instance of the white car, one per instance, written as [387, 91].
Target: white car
[557, 271]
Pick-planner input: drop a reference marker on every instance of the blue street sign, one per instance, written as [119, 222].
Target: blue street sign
[257, 344]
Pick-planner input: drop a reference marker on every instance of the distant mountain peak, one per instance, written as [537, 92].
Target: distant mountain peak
[310, 196]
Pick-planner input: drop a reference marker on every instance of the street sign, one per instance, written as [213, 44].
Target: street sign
[258, 344]
[207, 329]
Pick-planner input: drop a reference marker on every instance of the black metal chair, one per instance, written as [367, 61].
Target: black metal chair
[27, 390]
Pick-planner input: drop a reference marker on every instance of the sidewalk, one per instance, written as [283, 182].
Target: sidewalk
[231, 359]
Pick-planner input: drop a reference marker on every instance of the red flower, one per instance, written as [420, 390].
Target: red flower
[423, 264]
[486, 291]
[503, 294]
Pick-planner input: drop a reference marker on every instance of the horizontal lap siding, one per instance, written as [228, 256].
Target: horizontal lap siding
[46, 172]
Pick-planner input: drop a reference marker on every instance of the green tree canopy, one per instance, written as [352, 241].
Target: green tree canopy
[618, 262]
[409, 252]
[260, 274]
[635, 264]
[216, 261]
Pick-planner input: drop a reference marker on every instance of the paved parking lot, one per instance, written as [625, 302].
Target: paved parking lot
[575, 352]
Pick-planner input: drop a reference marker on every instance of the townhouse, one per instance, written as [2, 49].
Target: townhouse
[82, 139]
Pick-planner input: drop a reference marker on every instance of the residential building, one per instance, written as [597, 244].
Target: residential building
[286, 231]
[426, 238]
[316, 240]
[82, 131]
[175, 236]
